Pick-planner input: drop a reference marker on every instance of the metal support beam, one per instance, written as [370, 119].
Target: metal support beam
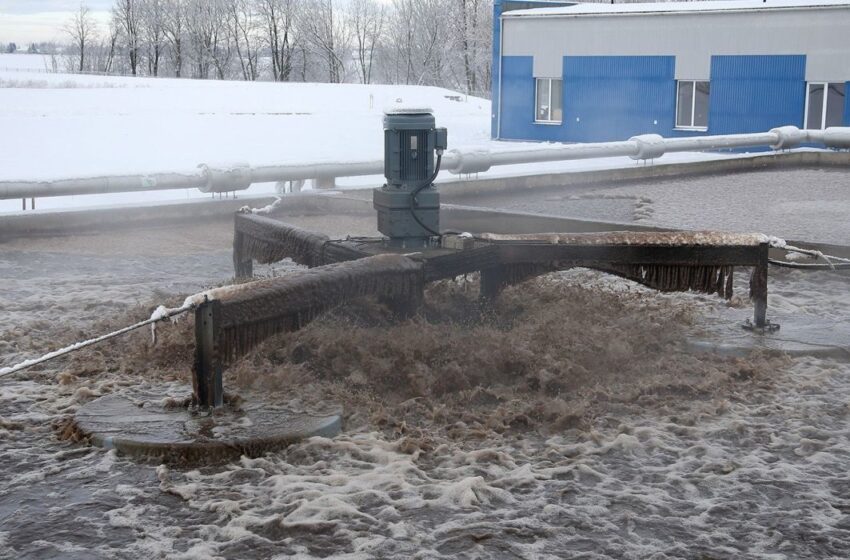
[494, 279]
[207, 371]
[492, 282]
[243, 264]
[758, 288]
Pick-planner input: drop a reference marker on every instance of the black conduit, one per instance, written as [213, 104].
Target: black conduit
[419, 189]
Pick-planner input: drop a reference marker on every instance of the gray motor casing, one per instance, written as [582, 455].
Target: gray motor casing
[410, 140]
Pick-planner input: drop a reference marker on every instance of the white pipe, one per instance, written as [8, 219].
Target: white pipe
[459, 161]
[271, 173]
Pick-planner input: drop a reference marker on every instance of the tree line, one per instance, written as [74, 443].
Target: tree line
[423, 42]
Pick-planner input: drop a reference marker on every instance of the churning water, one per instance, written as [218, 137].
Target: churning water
[570, 420]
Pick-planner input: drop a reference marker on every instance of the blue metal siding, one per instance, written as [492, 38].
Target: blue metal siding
[517, 109]
[616, 97]
[756, 93]
[499, 7]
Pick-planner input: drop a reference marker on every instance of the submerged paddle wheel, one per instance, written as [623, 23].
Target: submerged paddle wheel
[413, 251]
[394, 268]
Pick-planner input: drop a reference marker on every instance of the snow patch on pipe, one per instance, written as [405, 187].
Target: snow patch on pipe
[235, 178]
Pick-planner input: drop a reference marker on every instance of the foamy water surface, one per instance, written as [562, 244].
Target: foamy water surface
[756, 470]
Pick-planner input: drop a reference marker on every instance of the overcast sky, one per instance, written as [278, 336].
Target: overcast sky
[26, 21]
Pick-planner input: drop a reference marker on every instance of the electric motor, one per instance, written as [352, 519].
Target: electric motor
[408, 205]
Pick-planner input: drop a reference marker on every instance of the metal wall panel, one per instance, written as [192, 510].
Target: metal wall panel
[756, 93]
[819, 33]
[499, 7]
[517, 103]
[615, 97]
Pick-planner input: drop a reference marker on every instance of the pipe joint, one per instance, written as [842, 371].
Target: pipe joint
[475, 160]
[649, 146]
[235, 178]
[788, 137]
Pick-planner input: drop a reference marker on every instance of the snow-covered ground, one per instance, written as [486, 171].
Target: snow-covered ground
[59, 126]
[82, 126]
[20, 62]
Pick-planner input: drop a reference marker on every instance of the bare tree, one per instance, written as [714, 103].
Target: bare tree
[367, 21]
[428, 42]
[153, 16]
[278, 18]
[400, 42]
[174, 30]
[109, 48]
[101, 54]
[127, 15]
[432, 40]
[82, 30]
[207, 30]
[328, 35]
[243, 24]
[470, 31]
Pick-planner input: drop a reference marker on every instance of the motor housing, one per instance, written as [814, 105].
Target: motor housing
[408, 205]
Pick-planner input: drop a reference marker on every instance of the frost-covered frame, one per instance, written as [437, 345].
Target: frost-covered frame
[692, 104]
[548, 105]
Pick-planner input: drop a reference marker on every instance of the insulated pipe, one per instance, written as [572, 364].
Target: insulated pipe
[480, 160]
[726, 141]
[470, 160]
[272, 173]
[101, 185]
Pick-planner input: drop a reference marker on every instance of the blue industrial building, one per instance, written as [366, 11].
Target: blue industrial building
[572, 72]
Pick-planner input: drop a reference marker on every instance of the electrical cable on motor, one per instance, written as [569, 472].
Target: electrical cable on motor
[80, 345]
[419, 189]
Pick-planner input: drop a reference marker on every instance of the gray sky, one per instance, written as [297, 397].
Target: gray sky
[25, 21]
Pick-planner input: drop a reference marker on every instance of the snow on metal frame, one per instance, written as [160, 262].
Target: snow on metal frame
[646, 238]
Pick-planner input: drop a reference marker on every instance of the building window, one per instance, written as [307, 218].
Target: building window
[824, 105]
[549, 106]
[692, 104]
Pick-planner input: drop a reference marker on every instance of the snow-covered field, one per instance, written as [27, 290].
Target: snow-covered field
[112, 125]
[60, 126]
[20, 62]
[79, 126]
